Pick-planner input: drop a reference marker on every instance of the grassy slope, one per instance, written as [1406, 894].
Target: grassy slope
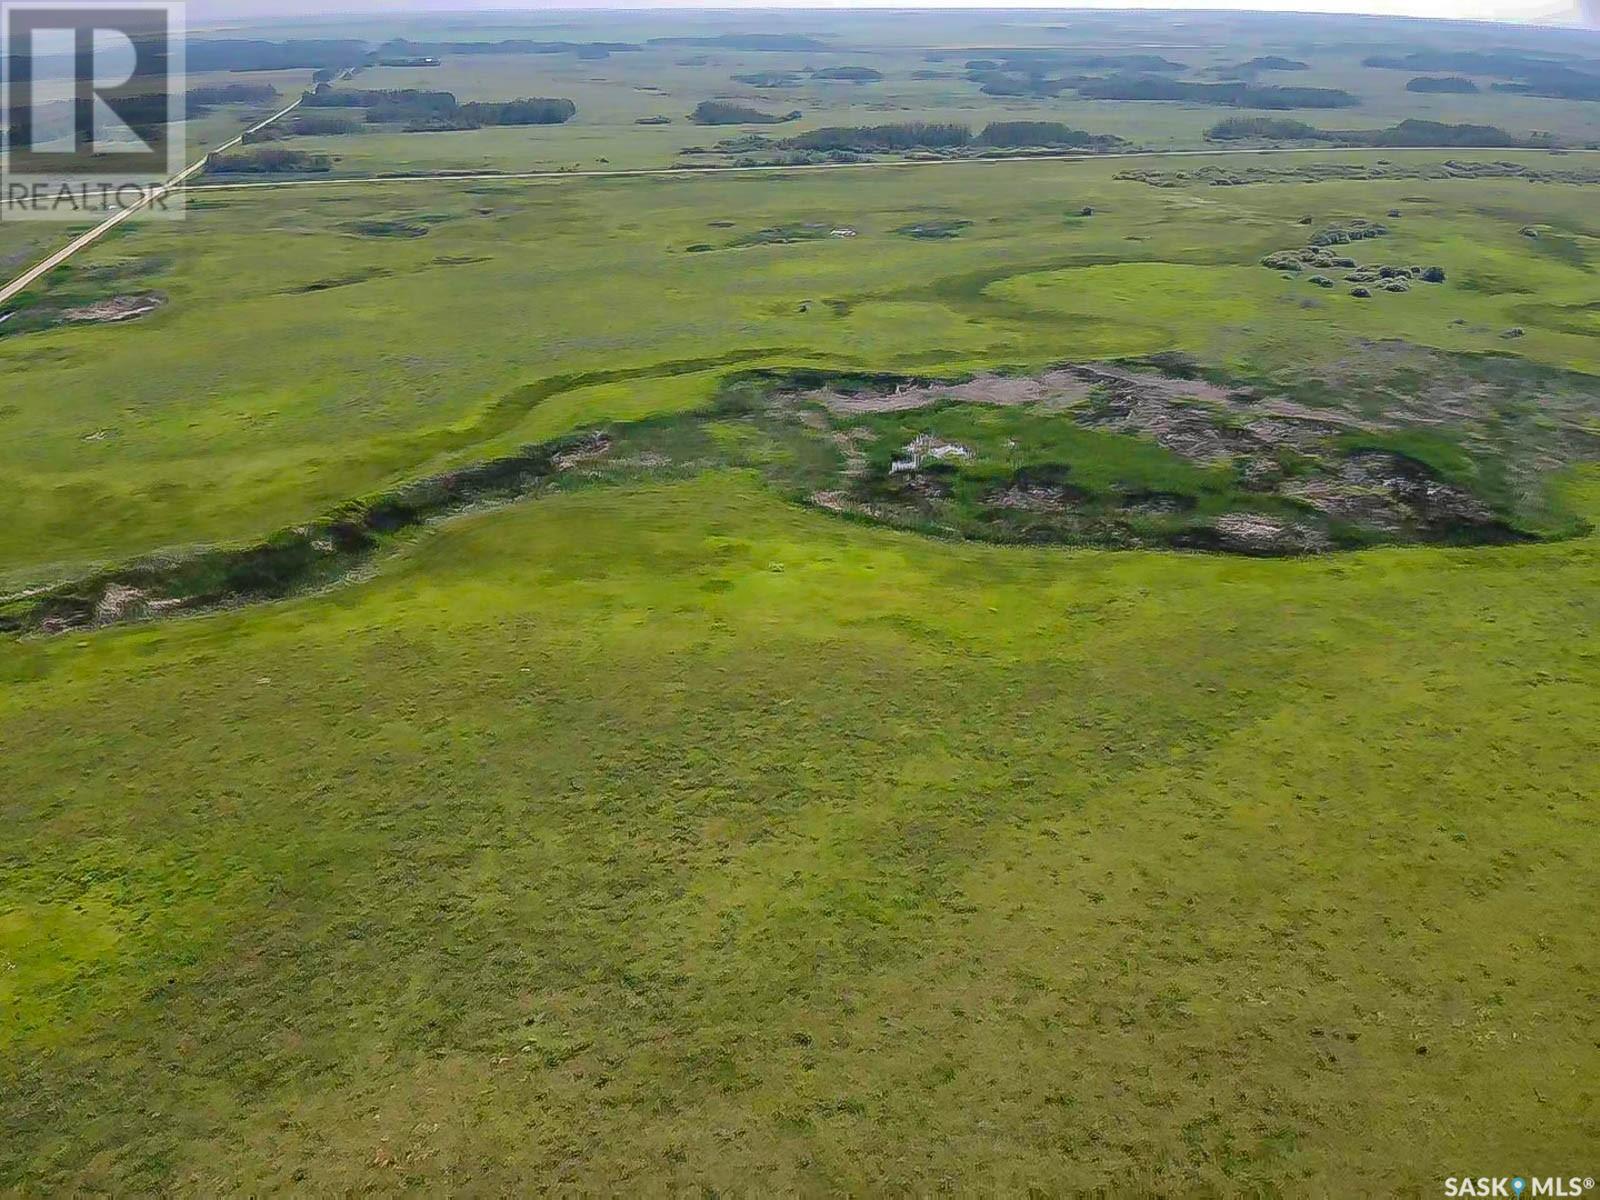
[686, 837]
[248, 403]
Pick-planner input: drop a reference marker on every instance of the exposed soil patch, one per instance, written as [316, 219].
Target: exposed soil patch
[1252, 533]
[1181, 415]
[1062, 388]
[587, 449]
[117, 308]
[1394, 493]
[1259, 473]
[1044, 488]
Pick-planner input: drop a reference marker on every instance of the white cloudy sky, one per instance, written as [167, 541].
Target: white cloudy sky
[1514, 10]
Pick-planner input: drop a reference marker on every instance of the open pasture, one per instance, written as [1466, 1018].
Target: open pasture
[320, 342]
[629, 736]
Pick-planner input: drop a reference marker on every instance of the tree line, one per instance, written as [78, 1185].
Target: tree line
[420, 111]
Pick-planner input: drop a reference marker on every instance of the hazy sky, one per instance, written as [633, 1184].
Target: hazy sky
[1514, 10]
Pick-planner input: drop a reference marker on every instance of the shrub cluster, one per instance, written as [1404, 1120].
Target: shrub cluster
[313, 126]
[1356, 231]
[268, 162]
[1039, 133]
[1410, 132]
[918, 135]
[723, 112]
[1273, 62]
[1317, 255]
[420, 110]
[1453, 85]
[1273, 128]
[232, 93]
[1235, 95]
[849, 74]
[912, 135]
[770, 79]
[1535, 76]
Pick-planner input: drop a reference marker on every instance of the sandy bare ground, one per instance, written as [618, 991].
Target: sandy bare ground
[1059, 388]
[117, 308]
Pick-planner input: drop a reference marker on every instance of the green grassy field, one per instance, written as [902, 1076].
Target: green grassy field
[655, 829]
[299, 362]
[681, 838]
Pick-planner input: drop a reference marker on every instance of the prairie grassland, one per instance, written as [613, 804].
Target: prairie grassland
[679, 837]
[667, 835]
[301, 361]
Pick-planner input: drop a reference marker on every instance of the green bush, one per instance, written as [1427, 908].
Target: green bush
[914, 135]
[849, 74]
[723, 112]
[268, 162]
[1039, 133]
[1275, 128]
[1450, 85]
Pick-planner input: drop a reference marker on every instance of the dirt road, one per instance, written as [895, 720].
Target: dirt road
[85, 240]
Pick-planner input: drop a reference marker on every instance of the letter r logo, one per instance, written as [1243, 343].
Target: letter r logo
[92, 90]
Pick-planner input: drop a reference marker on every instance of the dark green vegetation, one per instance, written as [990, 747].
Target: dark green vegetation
[200, 98]
[421, 111]
[535, 111]
[1270, 62]
[1433, 133]
[1047, 134]
[1234, 95]
[869, 138]
[1442, 85]
[935, 229]
[1415, 133]
[1010, 81]
[1049, 73]
[1267, 129]
[1534, 75]
[851, 144]
[1324, 253]
[261, 54]
[771, 79]
[317, 126]
[268, 162]
[722, 112]
[849, 74]
[649, 722]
